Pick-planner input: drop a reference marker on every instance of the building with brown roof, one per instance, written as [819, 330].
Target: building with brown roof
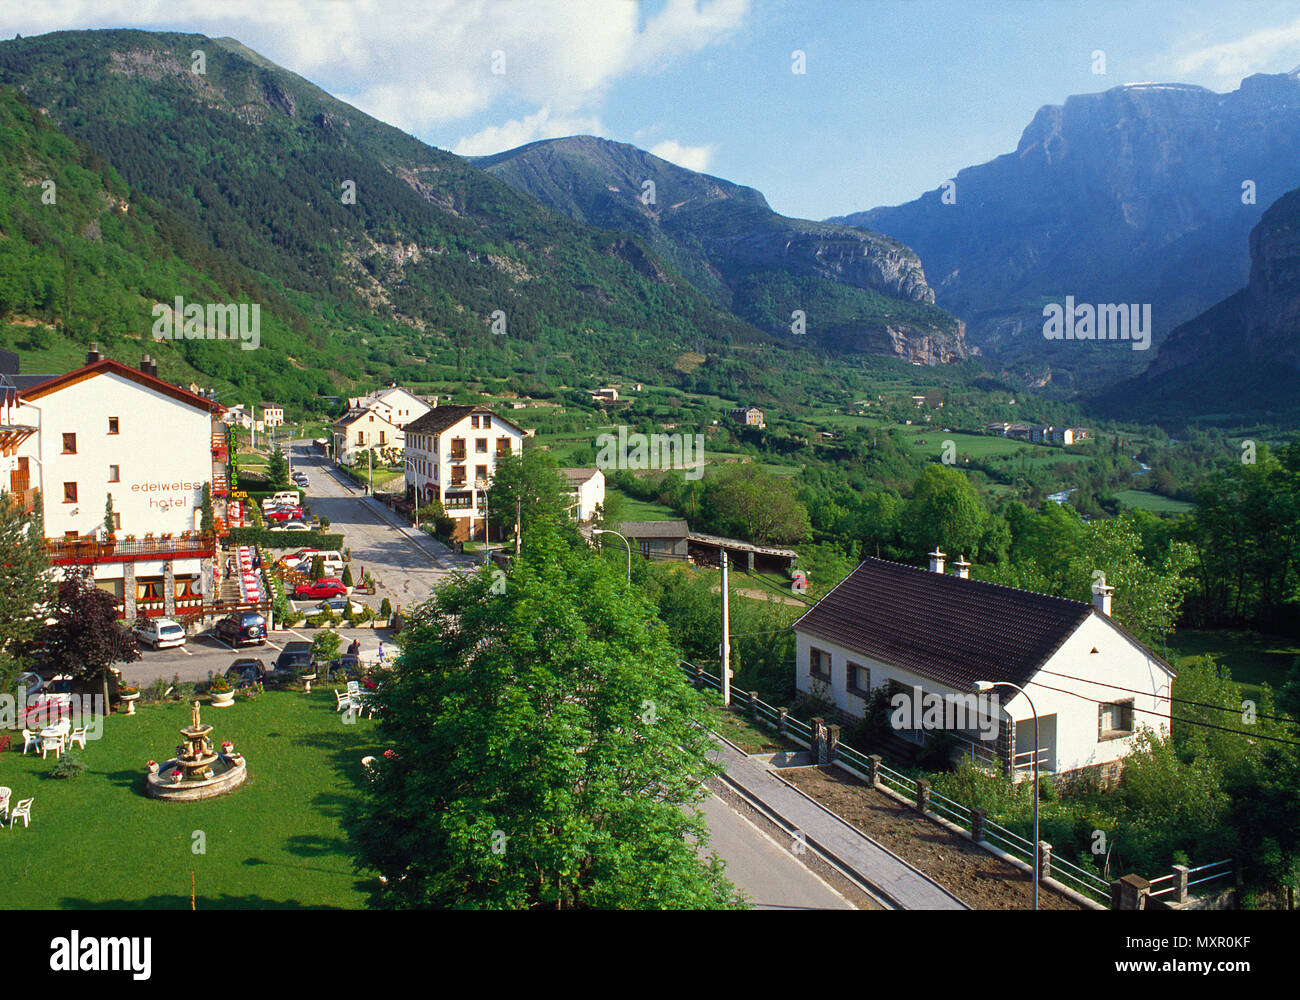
[931, 636]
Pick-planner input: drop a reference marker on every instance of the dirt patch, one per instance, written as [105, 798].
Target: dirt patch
[976, 877]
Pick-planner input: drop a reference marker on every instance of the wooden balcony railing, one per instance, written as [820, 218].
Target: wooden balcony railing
[91, 550]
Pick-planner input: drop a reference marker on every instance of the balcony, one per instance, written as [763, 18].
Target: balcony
[87, 551]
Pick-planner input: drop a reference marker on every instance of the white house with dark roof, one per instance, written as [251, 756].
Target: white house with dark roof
[586, 491]
[451, 456]
[900, 628]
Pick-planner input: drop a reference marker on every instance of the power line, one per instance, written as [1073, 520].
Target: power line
[1173, 718]
[1169, 697]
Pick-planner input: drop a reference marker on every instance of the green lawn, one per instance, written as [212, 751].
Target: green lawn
[1253, 657]
[644, 510]
[96, 841]
[1153, 502]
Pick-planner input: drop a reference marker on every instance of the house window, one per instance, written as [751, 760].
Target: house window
[819, 664]
[1115, 720]
[69, 444]
[480, 446]
[644, 547]
[480, 473]
[69, 492]
[503, 446]
[859, 679]
[117, 521]
[114, 475]
[112, 425]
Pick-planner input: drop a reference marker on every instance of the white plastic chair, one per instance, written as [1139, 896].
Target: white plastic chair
[54, 743]
[342, 701]
[22, 811]
[354, 689]
[6, 792]
[78, 736]
[30, 739]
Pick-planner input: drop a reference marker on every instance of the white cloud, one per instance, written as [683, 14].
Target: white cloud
[1228, 62]
[422, 63]
[691, 157]
[542, 125]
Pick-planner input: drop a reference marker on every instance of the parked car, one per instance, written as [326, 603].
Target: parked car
[340, 605]
[241, 627]
[159, 633]
[294, 558]
[291, 526]
[31, 683]
[246, 670]
[284, 514]
[332, 558]
[295, 656]
[326, 587]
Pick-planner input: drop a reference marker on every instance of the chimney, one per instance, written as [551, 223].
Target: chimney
[936, 560]
[149, 366]
[93, 355]
[963, 568]
[1101, 596]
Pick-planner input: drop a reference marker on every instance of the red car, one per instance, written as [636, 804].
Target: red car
[285, 514]
[328, 587]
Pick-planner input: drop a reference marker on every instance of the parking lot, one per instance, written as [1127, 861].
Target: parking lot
[204, 654]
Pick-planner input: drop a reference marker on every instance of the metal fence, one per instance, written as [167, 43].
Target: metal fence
[1081, 880]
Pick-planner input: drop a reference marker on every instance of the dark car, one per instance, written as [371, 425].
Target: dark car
[294, 657]
[241, 627]
[246, 670]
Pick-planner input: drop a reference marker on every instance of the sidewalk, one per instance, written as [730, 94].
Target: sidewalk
[895, 879]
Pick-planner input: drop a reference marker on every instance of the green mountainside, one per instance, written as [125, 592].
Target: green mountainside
[859, 291]
[242, 170]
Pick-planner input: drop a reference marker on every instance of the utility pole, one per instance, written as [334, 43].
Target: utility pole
[726, 635]
[519, 522]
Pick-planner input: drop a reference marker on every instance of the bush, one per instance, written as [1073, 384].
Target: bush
[385, 609]
[317, 567]
[326, 646]
[286, 539]
[69, 766]
[347, 576]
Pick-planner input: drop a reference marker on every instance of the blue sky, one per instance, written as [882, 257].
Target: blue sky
[897, 95]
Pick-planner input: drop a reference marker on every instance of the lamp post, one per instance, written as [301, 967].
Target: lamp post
[607, 531]
[984, 687]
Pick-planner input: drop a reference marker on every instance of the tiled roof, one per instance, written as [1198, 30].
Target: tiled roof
[950, 630]
[579, 475]
[107, 366]
[440, 418]
[654, 529]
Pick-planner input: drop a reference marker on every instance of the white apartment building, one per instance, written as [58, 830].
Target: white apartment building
[397, 405]
[272, 415]
[359, 431]
[451, 455]
[109, 431]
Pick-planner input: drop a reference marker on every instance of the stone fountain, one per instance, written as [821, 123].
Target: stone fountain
[196, 772]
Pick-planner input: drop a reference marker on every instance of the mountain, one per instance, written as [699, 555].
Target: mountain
[858, 290]
[253, 168]
[1239, 360]
[1134, 195]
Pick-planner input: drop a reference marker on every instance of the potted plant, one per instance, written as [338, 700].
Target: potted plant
[129, 693]
[220, 693]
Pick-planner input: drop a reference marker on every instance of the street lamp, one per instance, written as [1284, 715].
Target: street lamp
[983, 687]
[607, 531]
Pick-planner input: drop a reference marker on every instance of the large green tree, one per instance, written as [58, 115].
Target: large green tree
[545, 750]
[944, 511]
[83, 636]
[757, 506]
[529, 486]
[28, 588]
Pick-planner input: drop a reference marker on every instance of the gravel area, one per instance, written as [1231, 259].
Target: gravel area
[975, 876]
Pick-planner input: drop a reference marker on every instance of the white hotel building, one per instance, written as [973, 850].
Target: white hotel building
[451, 455]
[108, 430]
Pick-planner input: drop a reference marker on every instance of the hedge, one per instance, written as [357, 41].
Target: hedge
[286, 539]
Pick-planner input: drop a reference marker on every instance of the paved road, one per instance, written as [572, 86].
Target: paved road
[406, 564]
[764, 870]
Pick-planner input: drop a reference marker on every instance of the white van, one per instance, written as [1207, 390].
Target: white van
[333, 562]
[284, 496]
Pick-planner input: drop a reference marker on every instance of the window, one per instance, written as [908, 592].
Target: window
[503, 446]
[480, 473]
[69, 492]
[69, 444]
[819, 664]
[112, 425]
[480, 446]
[473, 421]
[1115, 720]
[859, 679]
[114, 474]
[117, 521]
[70, 534]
